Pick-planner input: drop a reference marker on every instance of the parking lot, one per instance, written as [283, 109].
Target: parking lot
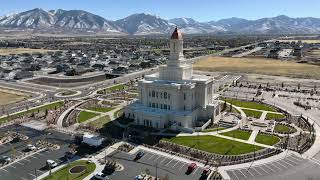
[275, 167]
[35, 164]
[156, 164]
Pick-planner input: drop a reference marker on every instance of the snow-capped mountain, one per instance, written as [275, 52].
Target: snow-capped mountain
[140, 24]
[190, 26]
[143, 24]
[59, 19]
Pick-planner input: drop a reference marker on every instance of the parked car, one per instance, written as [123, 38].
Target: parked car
[5, 159]
[206, 172]
[139, 155]
[101, 175]
[51, 163]
[31, 147]
[192, 167]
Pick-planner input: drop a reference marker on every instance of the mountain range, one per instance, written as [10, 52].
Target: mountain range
[39, 20]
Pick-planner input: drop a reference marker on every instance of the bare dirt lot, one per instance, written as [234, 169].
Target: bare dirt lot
[9, 96]
[8, 51]
[259, 66]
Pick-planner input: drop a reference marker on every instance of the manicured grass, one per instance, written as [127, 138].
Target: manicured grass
[213, 129]
[113, 88]
[267, 139]
[63, 174]
[40, 109]
[284, 129]
[84, 116]
[99, 123]
[101, 109]
[239, 134]
[252, 113]
[215, 144]
[274, 116]
[117, 87]
[251, 105]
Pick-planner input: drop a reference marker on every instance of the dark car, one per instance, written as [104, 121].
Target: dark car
[206, 172]
[191, 167]
[139, 155]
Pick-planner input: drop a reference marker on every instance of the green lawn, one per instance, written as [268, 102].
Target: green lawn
[113, 88]
[40, 109]
[213, 129]
[284, 129]
[63, 174]
[252, 113]
[100, 109]
[99, 123]
[267, 139]
[84, 116]
[274, 116]
[215, 144]
[239, 134]
[251, 105]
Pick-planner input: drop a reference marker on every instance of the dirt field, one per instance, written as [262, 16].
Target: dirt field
[9, 51]
[9, 96]
[259, 66]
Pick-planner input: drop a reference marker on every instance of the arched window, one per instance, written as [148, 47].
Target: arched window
[153, 94]
[165, 95]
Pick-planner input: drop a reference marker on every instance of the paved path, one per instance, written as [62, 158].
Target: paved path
[253, 136]
[263, 115]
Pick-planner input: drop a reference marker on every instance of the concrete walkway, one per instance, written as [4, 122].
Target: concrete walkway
[253, 136]
[63, 115]
[263, 115]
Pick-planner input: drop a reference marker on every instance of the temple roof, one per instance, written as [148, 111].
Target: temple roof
[176, 34]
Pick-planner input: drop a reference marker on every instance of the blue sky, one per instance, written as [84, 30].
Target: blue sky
[201, 10]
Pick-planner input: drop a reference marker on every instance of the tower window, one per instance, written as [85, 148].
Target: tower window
[153, 94]
[165, 95]
[184, 96]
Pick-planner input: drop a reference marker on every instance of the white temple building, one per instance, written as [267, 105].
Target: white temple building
[174, 97]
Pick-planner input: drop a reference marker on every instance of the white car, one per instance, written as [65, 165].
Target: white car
[101, 175]
[52, 163]
[31, 147]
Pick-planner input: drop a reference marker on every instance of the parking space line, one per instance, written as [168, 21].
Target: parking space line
[32, 175]
[182, 166]
[169, 162]
[157, 158]
[19, 163]
[151, 156]
[268, 168]
[176, 164]
[162, 160]
[293, 162]
[235, 174]
[41, 155]
[5, 170]
[281, 162]
[42, 172]
[23, 178]
[26, 159]
[285, 167]
[195, 170]
[145, 156]
[11, 166]
[262, 169]
[273, 165]
[241, 173]
[248, 170]
[256, 170]
[33, 157]
[296, 158]
[289, 162]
